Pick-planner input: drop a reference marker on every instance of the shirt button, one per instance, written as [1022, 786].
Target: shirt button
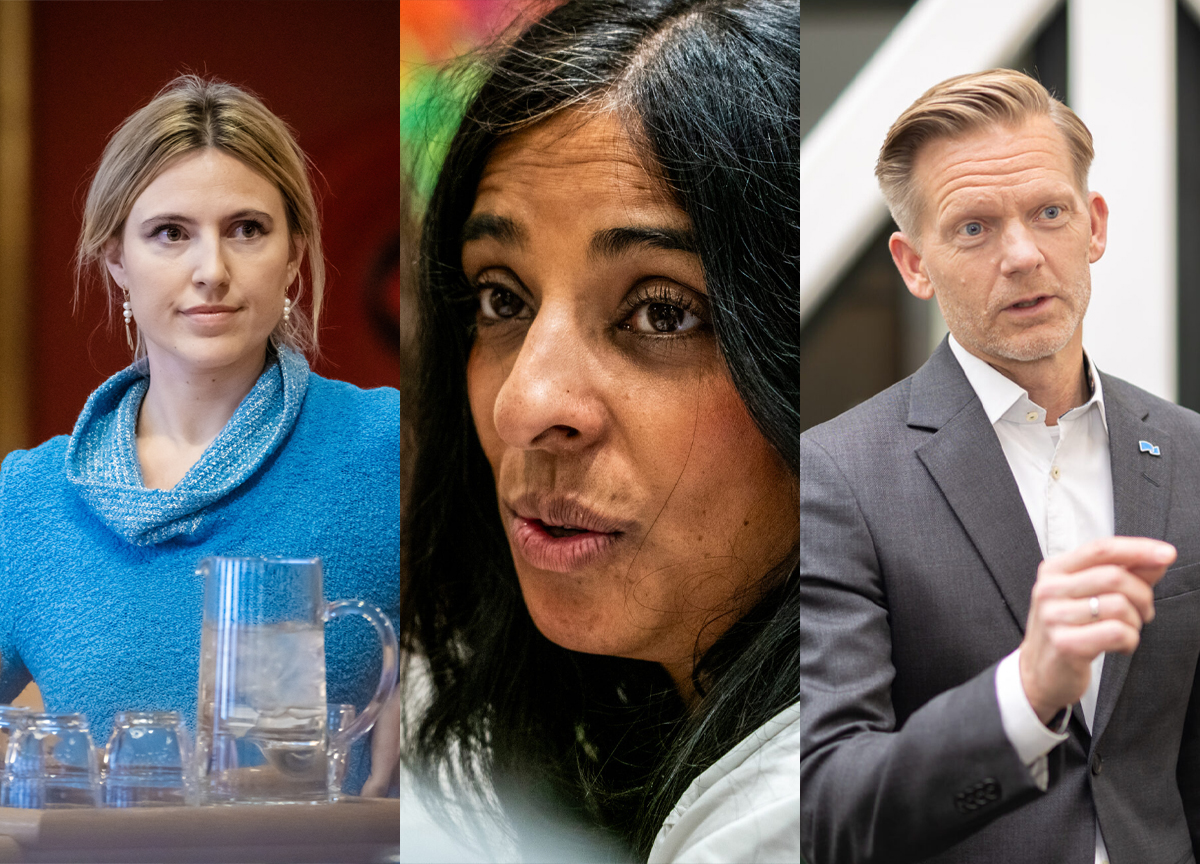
[1031, 416]
[1055, 472]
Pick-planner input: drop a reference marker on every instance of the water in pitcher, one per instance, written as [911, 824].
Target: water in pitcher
[269, 739]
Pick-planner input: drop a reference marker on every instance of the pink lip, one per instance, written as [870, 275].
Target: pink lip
[209, 310]
[531, 514]
[1042, 301]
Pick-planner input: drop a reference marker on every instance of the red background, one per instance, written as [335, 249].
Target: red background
[330, 69]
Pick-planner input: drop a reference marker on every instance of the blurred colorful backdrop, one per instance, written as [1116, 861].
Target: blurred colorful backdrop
[432, 33]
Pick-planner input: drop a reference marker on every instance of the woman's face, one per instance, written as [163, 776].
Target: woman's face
[206, 256]
[639, 498]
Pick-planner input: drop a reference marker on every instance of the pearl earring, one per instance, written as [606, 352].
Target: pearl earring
[287, 309]
[128, 307]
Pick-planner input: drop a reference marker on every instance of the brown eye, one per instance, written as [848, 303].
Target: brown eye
[497, 303]
[662, 319]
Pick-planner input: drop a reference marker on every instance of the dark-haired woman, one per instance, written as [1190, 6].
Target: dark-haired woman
[604, 527]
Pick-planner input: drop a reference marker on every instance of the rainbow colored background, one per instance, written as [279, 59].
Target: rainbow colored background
[432, 33]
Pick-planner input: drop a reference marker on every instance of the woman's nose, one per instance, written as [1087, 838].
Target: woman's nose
[550, 399]
[210, 269]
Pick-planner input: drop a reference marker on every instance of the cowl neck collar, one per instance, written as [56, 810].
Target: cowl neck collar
[102, 461]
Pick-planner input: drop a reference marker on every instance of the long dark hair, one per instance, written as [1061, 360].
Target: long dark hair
[710, 90]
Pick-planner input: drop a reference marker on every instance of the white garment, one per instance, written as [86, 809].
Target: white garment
[1064, 474]
[745, 807]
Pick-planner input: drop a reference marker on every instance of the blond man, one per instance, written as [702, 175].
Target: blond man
[1002, 649]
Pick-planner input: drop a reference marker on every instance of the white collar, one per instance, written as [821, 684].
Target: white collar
[1004, 398]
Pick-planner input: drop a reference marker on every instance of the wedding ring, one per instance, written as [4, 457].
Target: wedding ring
[1094, 606]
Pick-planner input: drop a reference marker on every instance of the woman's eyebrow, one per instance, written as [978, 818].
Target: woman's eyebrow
[500, 228]
[249, 213]
[167, 217]
[612, 242]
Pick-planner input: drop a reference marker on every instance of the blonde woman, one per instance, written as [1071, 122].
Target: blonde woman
[202, 226]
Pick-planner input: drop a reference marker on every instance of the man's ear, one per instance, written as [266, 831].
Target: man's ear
[911, 266]
[114, 260]
[1098, 213]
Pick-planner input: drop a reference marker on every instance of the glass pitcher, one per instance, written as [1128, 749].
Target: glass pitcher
[261, 721]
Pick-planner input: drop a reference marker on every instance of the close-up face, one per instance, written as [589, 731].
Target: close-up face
[639, 498]
[1005, 240]
[206, 256]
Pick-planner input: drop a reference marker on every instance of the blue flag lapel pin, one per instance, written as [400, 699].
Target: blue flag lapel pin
[1147, 447]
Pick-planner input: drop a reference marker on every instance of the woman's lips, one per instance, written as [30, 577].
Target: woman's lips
[559, 532]
[210, 314]
[535, 541]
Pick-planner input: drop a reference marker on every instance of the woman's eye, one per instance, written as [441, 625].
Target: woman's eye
[658, 318]
[169, 233]
[250, 230]
[497, 303]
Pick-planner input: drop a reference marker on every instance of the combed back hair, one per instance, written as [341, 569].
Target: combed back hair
[189, 114]
[960, 106]
[708, 91]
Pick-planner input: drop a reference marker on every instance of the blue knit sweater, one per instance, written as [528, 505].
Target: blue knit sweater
[100, 603]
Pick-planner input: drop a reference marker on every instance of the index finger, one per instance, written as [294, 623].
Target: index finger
[1143, 556]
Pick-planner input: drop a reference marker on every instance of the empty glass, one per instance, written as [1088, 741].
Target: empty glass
[10, 717]
[146, 760]
[51, 763]
[337, 720]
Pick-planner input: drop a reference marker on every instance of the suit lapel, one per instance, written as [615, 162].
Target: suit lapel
[964, 458]
[1141, 501]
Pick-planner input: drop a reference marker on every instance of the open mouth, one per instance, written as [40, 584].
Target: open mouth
[1030, 304]
[564, 546]
[563, 530]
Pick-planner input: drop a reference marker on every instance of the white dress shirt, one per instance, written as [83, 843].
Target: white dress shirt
[745, 807]
[1064, 475]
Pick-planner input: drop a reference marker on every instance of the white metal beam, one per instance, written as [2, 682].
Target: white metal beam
[841, 207]
[1122, 84]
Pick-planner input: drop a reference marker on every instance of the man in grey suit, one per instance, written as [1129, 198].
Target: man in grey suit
[988, 673]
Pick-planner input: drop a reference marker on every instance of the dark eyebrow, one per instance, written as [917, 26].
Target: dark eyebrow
[500, 228]
[613, 242]
[241, 214]
[166, 217]
[252, 214]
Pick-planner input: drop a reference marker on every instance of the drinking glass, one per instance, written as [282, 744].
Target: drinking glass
[337, 720]
[51, 763]
[10, 717]
[261, 734]
[146, 760]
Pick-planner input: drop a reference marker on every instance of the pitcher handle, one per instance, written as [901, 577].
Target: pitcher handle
[387, 677]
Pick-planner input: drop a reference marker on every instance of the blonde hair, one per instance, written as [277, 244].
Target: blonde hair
[965, 104]
[189, 114]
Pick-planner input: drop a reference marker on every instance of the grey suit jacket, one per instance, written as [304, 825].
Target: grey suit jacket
[917, 559]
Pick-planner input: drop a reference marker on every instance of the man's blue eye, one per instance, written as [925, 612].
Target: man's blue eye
[1052, 212]
[972, 229]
